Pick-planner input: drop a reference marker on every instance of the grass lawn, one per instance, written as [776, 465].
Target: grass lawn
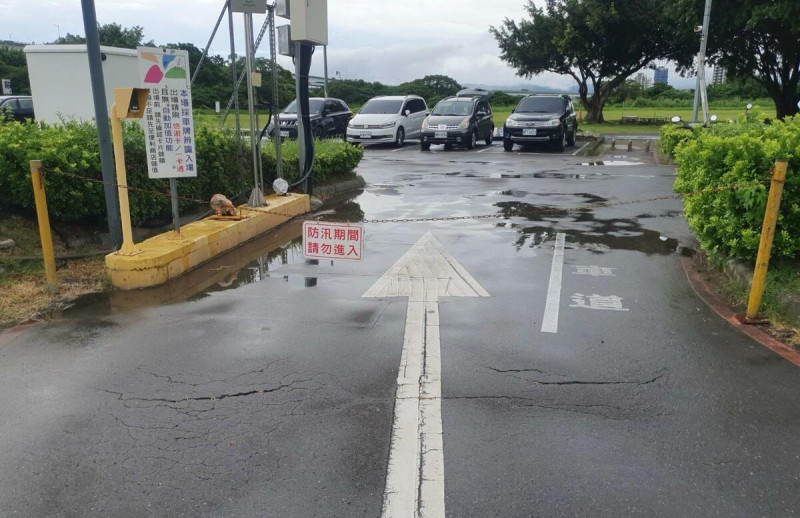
[614, 114]
[501, 113]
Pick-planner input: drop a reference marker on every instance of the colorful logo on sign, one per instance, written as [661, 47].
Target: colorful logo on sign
[168, 66]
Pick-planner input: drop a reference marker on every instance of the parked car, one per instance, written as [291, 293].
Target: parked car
[541, 118]
[388, 119]
[460, 120]
[329, 117]
[17, 107]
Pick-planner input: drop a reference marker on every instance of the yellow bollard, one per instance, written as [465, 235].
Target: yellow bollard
[128, 247]
[44, 226]
[767, 235]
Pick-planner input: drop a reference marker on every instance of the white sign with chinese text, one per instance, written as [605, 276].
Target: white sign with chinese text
[168, 123]
[7, 87]
[323, 240]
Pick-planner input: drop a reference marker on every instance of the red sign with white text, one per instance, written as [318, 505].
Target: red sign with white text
[323, 240]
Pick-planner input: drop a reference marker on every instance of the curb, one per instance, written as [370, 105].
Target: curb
[703, 290]
[336, 189]
[590, 147]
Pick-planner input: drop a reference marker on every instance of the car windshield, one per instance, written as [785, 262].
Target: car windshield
[381, 106]
[541, 105]
[453, 108]
[315, 106]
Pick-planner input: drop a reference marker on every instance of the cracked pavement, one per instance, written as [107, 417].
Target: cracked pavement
[270, 391]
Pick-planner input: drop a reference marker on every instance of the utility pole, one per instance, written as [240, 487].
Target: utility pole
[101, 118]
[700, 87]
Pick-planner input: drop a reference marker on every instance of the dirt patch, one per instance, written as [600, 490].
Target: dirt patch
[734, 295]
[25, 296]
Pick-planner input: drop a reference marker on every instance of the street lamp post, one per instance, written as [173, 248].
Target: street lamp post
[700, 86]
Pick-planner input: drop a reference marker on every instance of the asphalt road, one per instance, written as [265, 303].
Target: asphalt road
[265, 385]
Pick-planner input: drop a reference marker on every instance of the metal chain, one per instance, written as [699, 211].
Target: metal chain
[496, 215]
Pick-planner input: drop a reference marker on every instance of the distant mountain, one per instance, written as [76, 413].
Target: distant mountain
[523, 87]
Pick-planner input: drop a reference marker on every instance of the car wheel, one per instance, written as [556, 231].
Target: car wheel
[473, 140]
[489, 137]
[425, 146]
[400, 139]
[508, 144]
[319, 133]
[571, 137]
[562, 142]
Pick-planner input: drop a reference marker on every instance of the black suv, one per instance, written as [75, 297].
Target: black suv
[541, 118]
[329, 117]
[17, 107]
[460, 120]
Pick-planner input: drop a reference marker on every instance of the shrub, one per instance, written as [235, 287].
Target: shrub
[72, 148]
[729, 222]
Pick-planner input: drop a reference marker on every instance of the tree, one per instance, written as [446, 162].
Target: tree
[14, 67]
[757, 39]
[112, 35]
[599, 43]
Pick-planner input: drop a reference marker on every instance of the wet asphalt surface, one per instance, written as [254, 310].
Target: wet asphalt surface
[263, 384]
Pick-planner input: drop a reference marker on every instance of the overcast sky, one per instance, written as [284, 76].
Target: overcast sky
[376, 40]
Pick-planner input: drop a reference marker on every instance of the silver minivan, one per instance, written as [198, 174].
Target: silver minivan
[388, 118]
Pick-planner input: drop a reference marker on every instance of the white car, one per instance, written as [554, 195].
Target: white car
[390, 118]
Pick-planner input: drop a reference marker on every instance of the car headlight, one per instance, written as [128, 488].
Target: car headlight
[464, 124]
[350, 124]
[512, 123]
[554, 122]
[388, 125]
[425, 124]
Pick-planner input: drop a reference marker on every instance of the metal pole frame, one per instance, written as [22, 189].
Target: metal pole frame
[211, 39]
[276, 127]
[257, 195]
[235, 97]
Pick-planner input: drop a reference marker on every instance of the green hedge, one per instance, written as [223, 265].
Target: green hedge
[73, 148]
[729, 223]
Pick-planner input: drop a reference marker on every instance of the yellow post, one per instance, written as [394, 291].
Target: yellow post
[44, 226]
[767, 235]
[128, 247]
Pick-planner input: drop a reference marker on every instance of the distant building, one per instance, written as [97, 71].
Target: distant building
[718, 76]
[661, 75]
[644, 80]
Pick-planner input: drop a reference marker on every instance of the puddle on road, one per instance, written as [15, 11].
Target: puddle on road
[584, 230]
[250, 263]
[612, 163]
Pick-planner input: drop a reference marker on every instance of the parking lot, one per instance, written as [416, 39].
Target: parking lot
[559, 365]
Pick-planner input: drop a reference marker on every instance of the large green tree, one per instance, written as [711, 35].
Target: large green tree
[112, 35]
[759, 39]
[599, 43]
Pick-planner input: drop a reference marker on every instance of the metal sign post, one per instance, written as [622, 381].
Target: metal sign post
[248, 7]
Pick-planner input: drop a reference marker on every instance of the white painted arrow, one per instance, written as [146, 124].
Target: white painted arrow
[415, 474]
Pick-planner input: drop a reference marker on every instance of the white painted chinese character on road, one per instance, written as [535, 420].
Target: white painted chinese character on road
[594, 271]
[609, 303]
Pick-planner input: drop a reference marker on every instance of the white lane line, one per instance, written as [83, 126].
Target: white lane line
[550, 320]
[415, 484]
[404, 148]
[487, 148]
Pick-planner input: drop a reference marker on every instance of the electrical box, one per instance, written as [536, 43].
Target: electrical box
[282, 8]
[249, 6]
[285, 44]
[130, 102]
[309, 21]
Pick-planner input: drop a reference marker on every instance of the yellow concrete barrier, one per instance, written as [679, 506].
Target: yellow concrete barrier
[170, 255]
